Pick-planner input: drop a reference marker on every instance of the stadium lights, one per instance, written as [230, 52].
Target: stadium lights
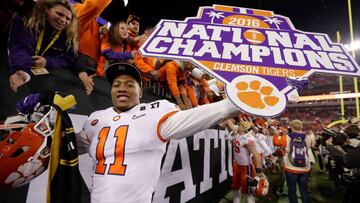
[126, 2]
[353, 46]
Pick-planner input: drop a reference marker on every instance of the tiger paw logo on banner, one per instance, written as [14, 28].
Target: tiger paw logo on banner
[254, 52]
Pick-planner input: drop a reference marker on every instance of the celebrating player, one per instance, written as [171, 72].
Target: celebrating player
[244, 172]
[127, 141]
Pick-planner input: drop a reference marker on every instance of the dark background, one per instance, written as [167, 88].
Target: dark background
[325, 16]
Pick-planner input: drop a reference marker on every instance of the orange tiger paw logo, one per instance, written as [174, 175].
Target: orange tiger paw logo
[255, 95]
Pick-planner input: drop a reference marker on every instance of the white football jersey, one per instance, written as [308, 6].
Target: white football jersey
[259, 137]
[241, 154]
[126, 151]
[269, 142]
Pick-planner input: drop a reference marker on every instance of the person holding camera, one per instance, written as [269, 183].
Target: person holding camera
[345, 147]
[344, 150]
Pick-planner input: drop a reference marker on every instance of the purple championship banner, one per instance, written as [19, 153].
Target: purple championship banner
[254, 52]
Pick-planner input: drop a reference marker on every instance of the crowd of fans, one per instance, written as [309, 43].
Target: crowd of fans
[58, 34]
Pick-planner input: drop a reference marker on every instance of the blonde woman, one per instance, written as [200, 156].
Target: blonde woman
[48, 39]
[297, 162]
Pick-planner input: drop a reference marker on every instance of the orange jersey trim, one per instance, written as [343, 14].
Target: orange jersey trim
[162, 120]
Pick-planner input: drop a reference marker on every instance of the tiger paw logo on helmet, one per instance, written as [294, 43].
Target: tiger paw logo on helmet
[24, 150]
[262, 186]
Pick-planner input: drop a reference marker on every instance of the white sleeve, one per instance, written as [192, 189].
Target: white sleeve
[311, 156]
[266, 147]
[188, 122]
[247, 140]
[27, 77]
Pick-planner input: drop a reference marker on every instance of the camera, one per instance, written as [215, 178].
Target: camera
[346, 179]
[339, 138]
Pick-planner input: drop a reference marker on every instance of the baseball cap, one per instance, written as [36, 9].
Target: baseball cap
[117, 69]
[213, 86]
[197, 73]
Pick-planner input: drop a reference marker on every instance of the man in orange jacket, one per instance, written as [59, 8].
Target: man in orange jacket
[175, 73]
[89, 39]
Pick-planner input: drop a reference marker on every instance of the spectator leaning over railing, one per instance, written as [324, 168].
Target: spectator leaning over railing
[48, 39]
[89, 42]
[115, 48]
[198, 87]
[175, 73]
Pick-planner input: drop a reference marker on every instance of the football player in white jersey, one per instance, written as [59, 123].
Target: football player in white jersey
[261, 146]
[127, 141]
[243, 168]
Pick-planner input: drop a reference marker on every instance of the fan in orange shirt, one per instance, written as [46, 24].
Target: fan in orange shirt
[279, 142]
[89, 39]
[175, 73]
[114, 48]
[199, 84]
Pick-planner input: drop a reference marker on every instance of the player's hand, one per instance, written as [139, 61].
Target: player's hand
[229, 121]
[39, 61]
[182, 106]
[17, 79]
[180, 103]
[88, 82]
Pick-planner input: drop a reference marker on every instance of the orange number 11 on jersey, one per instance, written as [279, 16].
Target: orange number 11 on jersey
[118, 167]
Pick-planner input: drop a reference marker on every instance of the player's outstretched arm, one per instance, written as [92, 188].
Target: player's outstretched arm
[232, 126]
[188, 122]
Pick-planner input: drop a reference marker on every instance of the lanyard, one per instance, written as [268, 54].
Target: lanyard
[39, 42]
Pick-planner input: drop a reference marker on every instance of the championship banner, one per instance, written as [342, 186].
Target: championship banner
[258, 55]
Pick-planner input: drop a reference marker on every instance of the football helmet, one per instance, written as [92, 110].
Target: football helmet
[262, 186]
[25, 147]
